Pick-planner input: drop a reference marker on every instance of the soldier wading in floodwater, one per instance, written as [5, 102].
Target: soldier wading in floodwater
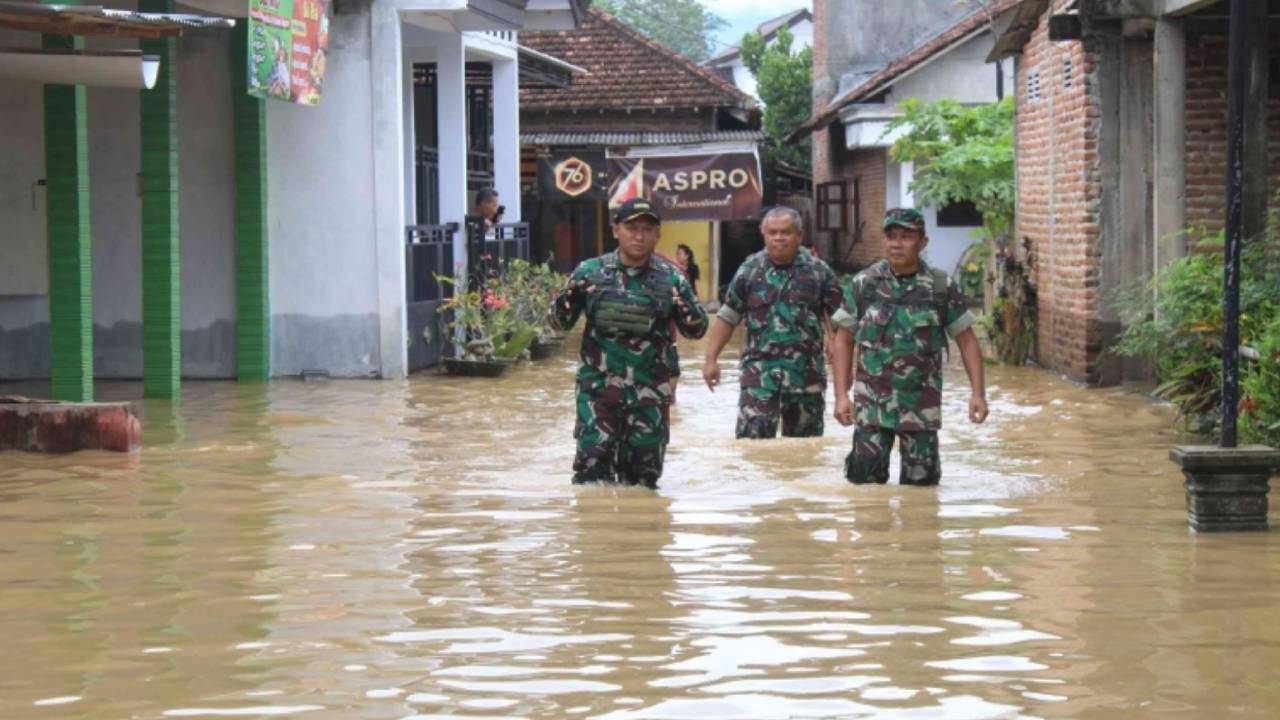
[897, 311]
[630, 298]
[785, 296]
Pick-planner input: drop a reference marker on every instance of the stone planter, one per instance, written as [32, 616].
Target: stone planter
[61, 427]
[546, 349]
[1227, 487]
[477, 368]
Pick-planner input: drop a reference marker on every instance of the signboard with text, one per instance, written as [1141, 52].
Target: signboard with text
[722, 186]
[288, 49]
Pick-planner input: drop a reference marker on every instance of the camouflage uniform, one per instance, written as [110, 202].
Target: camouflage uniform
[784, 374]
[898, 325]
[624, 381]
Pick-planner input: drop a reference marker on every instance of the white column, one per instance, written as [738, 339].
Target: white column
[451, 114]
[506, 136]
[906, 175]
[387, 99]
[410, 143]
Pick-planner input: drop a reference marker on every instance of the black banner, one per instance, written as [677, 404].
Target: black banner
[571, 175]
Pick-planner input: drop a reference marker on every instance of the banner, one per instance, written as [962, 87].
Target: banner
[570, 175]
[288, 45]
[692, 187]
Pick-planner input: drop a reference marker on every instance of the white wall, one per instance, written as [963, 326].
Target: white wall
[23, 258]
[324, 280]
[961, 74]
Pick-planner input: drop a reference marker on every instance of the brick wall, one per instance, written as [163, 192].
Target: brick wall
[1206, 164]
[1059, 189]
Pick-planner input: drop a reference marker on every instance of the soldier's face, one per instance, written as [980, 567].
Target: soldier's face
[636, 239]
[781, 239]
[904, 247]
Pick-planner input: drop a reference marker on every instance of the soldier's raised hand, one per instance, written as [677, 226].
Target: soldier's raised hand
[573, 293]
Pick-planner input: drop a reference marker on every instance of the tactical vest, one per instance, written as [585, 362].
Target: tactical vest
[941, 298]
[616, 310]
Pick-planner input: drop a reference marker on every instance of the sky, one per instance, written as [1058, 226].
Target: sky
[745, 15]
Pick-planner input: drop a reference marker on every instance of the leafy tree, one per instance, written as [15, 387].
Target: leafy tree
[784, 81]
[965, 153]
[685, 26]
[961, 153]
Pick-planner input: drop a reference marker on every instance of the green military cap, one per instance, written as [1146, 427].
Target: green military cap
[909, 218]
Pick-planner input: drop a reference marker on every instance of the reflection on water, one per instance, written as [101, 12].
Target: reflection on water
[414, 550]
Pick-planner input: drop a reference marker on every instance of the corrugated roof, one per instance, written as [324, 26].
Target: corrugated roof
[585, 138]
[95, 20]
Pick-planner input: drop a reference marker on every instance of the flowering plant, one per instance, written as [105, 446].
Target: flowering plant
[486, 321]
[529, 290]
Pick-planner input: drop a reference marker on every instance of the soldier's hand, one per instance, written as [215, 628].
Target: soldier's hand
[711, 374]
[681, 306]
[573, 293]
[844, 410]
[977, 409]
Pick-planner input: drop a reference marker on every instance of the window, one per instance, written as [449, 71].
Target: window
[1066, 70]
[833, 206]
[959, 214]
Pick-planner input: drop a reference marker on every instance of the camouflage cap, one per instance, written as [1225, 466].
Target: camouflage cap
[909, 218]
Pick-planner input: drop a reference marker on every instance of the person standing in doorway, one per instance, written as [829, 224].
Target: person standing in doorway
[487, 207]
[899, 313]
[786, 298]
[634, 303]
[684, 256]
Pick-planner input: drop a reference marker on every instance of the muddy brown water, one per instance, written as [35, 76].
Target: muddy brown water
[363, 549]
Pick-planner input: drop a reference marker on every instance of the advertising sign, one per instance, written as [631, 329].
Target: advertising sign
[572, 175]
[288, 48]
[692, 187]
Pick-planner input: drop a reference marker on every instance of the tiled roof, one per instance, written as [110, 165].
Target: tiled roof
[940, 43]
[585, 138]
[626, 70]
[767, 30]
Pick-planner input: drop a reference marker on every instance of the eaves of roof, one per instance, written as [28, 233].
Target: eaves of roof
[95, 20]
[939, 44]
[587, 138]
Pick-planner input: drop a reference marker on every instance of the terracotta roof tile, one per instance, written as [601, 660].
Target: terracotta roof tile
[626, 70]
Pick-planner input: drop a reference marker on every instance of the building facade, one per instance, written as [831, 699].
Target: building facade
[293, 223]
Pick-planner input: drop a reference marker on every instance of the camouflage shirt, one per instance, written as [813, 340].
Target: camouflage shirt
[636, 366]
[900, 344]
[783, 307]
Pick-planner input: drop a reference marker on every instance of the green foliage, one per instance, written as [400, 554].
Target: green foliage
[961, 152]
[685, 26]
[784, 81]
[1176, 321]
[505, 316]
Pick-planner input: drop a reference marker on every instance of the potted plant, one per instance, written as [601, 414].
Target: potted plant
[489, 337]
[530, 289]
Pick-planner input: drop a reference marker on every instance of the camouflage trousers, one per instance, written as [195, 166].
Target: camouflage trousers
[869, 460]
[619, 442]
[767, 397]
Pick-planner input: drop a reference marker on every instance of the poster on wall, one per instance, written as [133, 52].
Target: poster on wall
[288, 49]
[573, 175]
[723, 186]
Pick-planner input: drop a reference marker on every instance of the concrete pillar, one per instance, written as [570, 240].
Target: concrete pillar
[253, 307]
[906, 176]
[386, 68]
[161, 256]
[1169, 118]
[506, 136]
[451, 114]
[66, 143]
[1255, 193]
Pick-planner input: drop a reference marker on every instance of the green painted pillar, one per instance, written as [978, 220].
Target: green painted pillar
[253, 309]
[161, 255]
[66, 155]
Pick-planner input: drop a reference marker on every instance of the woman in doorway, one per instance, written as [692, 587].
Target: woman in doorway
[684, 256]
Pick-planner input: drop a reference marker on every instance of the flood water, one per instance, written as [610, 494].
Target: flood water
[365, 549]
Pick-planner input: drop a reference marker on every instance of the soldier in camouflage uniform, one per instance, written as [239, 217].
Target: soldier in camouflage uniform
[786, 296]
[630, 298]
[897, 312]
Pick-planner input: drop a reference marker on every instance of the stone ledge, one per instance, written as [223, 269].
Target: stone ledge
[1227, 487]
[56, 427]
